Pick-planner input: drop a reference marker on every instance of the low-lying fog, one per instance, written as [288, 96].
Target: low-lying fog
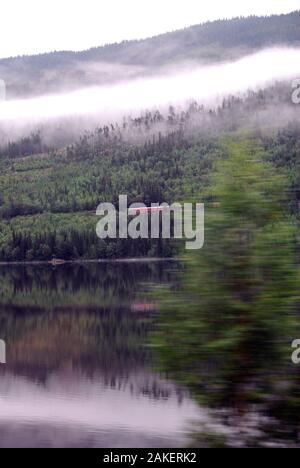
[205, 84]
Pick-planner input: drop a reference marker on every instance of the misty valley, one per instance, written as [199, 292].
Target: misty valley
[136, 340]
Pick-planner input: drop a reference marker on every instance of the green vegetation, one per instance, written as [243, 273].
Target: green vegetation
[226, 332]
[204, 43]
[225, 325]
[48, 201]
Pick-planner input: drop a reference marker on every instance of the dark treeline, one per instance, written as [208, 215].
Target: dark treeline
[48, 201]
[25, 146]
[78, 244]
[252, 109]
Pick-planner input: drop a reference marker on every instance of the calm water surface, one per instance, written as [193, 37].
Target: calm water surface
[78, 372]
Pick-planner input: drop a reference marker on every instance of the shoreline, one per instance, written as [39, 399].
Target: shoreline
[59, 263]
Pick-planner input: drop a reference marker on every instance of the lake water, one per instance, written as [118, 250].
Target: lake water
[79, 372]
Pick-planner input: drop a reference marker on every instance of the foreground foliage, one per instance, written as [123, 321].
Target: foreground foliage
[227, 332]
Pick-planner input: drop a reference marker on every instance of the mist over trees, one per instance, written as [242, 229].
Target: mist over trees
[224, 327]
[48, 200]
[204, 44]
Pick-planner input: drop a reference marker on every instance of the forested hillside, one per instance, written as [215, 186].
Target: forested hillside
[206, 43]
[48, 198]
[52, 182]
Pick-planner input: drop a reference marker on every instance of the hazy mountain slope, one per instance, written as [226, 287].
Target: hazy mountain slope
[210, 42]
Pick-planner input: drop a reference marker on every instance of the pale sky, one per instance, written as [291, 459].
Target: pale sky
[36, 26]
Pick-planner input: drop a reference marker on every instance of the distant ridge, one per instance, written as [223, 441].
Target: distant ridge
[206, 43]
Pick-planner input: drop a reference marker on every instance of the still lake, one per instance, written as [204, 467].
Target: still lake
[79, 371]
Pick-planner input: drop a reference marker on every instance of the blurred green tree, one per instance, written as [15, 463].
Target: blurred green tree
[225, 331]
